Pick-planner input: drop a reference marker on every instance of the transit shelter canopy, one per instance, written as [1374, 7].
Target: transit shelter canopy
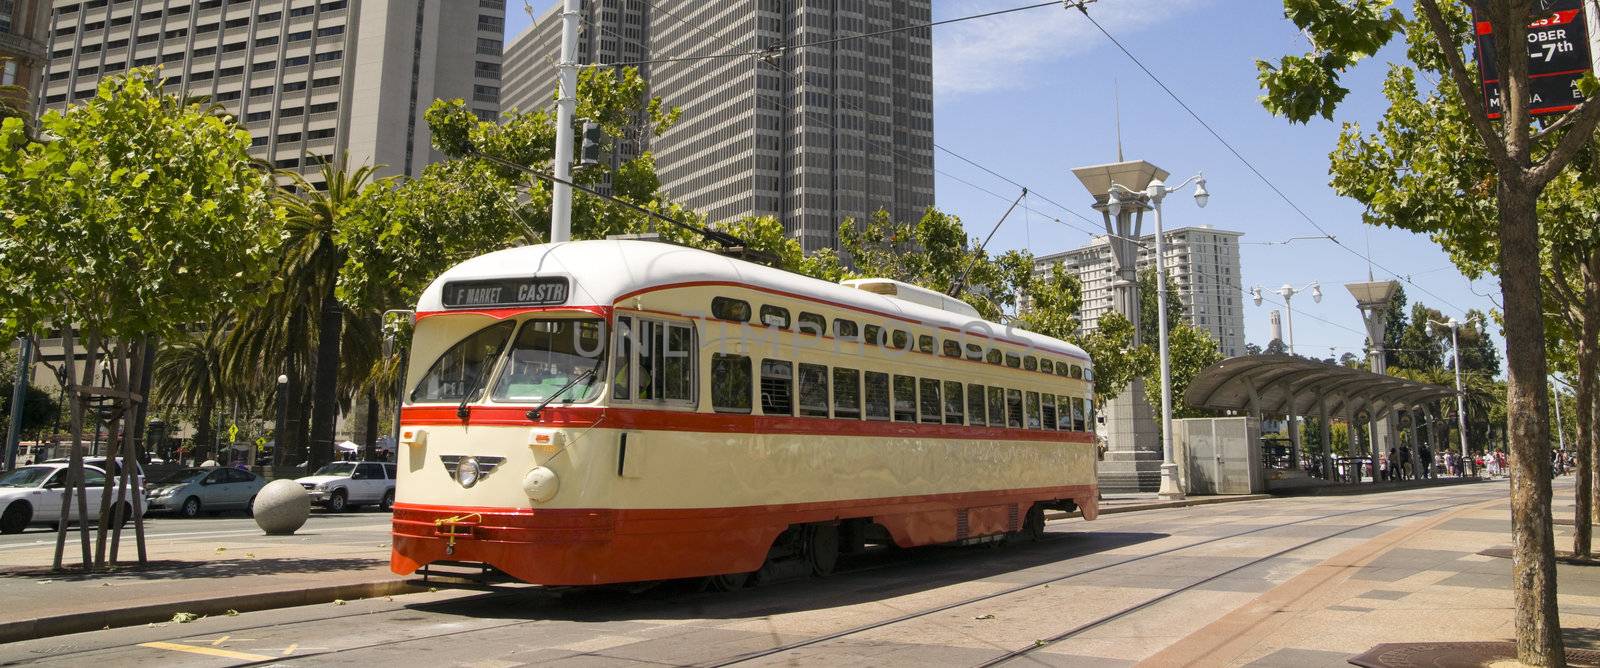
[1286, 384]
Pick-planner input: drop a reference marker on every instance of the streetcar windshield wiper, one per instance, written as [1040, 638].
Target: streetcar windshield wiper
[533, 413]
[461, 408]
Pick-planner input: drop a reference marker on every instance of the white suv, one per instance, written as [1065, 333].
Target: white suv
[344, 485]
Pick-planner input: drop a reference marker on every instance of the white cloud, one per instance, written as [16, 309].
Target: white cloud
[997, 53]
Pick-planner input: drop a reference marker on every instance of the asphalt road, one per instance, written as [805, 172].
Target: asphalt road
[1145, 578]
[166, 527]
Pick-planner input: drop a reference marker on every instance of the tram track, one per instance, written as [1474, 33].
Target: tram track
[789, 647]
[1045, 642]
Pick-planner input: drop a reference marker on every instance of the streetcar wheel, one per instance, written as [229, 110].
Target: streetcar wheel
[822, 548]
[1033, 524]
[728, 581]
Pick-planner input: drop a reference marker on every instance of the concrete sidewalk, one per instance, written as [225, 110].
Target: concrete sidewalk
[198, 572]
[1445, 579]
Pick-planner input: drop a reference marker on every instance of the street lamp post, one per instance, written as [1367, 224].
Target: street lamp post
[1288, 292]
[1155, 194]
[279, 428]
[1461, 395]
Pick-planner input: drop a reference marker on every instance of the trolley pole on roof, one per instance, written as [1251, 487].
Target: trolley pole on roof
[566, 110]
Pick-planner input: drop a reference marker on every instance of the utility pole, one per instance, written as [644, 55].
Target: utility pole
[566, 111]
[1561, 434]
[1461, 396]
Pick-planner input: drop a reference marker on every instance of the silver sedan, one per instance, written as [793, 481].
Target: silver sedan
[190, 492]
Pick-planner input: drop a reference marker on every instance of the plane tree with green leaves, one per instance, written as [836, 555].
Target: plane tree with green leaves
[1515, 160]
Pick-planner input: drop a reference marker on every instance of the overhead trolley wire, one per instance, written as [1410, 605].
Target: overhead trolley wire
[1083, 8]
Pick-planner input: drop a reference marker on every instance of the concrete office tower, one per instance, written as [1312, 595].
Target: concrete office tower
[813, 136]
[1202, 263]
[310, 79]
[24, 37]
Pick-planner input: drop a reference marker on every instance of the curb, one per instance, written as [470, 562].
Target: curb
[1160, 505]
[45, 627]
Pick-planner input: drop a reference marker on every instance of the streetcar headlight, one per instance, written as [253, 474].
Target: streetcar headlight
[540, 484]
[467, 472]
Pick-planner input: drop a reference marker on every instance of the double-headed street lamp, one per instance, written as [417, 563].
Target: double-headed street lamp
[1288, 292]
[1154, 194]
[1461, 395]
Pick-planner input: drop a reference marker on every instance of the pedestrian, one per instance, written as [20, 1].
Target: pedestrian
[1426, 455]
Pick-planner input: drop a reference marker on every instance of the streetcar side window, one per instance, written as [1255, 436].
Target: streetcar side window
[1047, 411]
[813, 390]
[846, 393]
[925, 344]
[1014, 409]
[622, 361]
[1088, 374]
[1078, 415]
[665, 362]
[1032, 408]
[930, 401]
[730, 383]
[905, 399]
[951, 348]
[953, 403]
[873, 334]
[993, 356]
[1013, 361]
[1077, 371]
[777, 387]
[1030, 363]
[813, 324]
[877, 395]
[975, 405]
[845, 329]
[726, 308]
[902, 340]
[1064, 415]
[1046, 366]
[974, 352]
[774, 316]
[1088, 414]
[997, 407]
[465, 366]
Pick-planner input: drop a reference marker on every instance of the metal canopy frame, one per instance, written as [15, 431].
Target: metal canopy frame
[1289, 384]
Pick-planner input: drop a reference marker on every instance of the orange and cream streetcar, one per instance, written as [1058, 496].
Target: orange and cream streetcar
[619, 411]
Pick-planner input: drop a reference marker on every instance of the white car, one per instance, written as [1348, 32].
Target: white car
[342, 485]
[32, 495]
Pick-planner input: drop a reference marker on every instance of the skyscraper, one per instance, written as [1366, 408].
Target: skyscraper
[24, 31]
[810, 135]
[310, 79]
[1202, 263]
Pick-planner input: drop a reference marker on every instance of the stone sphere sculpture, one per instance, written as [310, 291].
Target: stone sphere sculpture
[281, 507]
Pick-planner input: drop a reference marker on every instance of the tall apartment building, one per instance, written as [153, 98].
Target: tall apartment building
[811, 136]
[1203, 269]
[24, 34]
[310, 79]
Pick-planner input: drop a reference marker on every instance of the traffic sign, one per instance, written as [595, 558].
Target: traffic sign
[1559, 54]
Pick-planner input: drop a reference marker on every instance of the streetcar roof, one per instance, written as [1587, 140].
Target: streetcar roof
[602, 272]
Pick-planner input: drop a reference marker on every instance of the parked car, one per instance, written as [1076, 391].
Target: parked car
[32, 495]
[343, 485]
[100, 463]
[189, 492]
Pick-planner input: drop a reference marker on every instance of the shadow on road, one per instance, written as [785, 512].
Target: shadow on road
[861, 579]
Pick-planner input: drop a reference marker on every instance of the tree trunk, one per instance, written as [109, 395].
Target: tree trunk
[1583, 503]
[293, 450]
[370, 441]
[202, 433]
[1533, 564]
[325, 387]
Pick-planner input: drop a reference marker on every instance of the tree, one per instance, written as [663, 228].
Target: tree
[39, 409]
[1117, 361]
[1350, 360]
[1253, 349]
[1190, 350]
[189, 371]
[1053, 304]
[1522, 162]
[1149, 326]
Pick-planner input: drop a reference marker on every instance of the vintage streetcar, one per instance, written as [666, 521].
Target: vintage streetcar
[618, 411]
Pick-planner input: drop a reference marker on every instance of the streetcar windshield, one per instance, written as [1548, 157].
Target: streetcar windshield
[462, 369]
[551, 355]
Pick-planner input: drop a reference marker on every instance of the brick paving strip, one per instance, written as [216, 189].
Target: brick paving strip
[1307, 605]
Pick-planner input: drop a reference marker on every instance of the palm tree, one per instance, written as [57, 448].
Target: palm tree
[189, 371]
[309, 263]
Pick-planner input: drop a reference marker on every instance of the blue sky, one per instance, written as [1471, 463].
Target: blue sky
[1028, 95]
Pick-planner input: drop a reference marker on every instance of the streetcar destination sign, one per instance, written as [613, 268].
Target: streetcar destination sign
[542, 291]
[1559, 53]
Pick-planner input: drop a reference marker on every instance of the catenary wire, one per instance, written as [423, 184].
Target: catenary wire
[1082, 8]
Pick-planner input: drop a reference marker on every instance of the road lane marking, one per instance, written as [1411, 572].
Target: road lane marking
[290, 649]
[219, 641]
[207, 651]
